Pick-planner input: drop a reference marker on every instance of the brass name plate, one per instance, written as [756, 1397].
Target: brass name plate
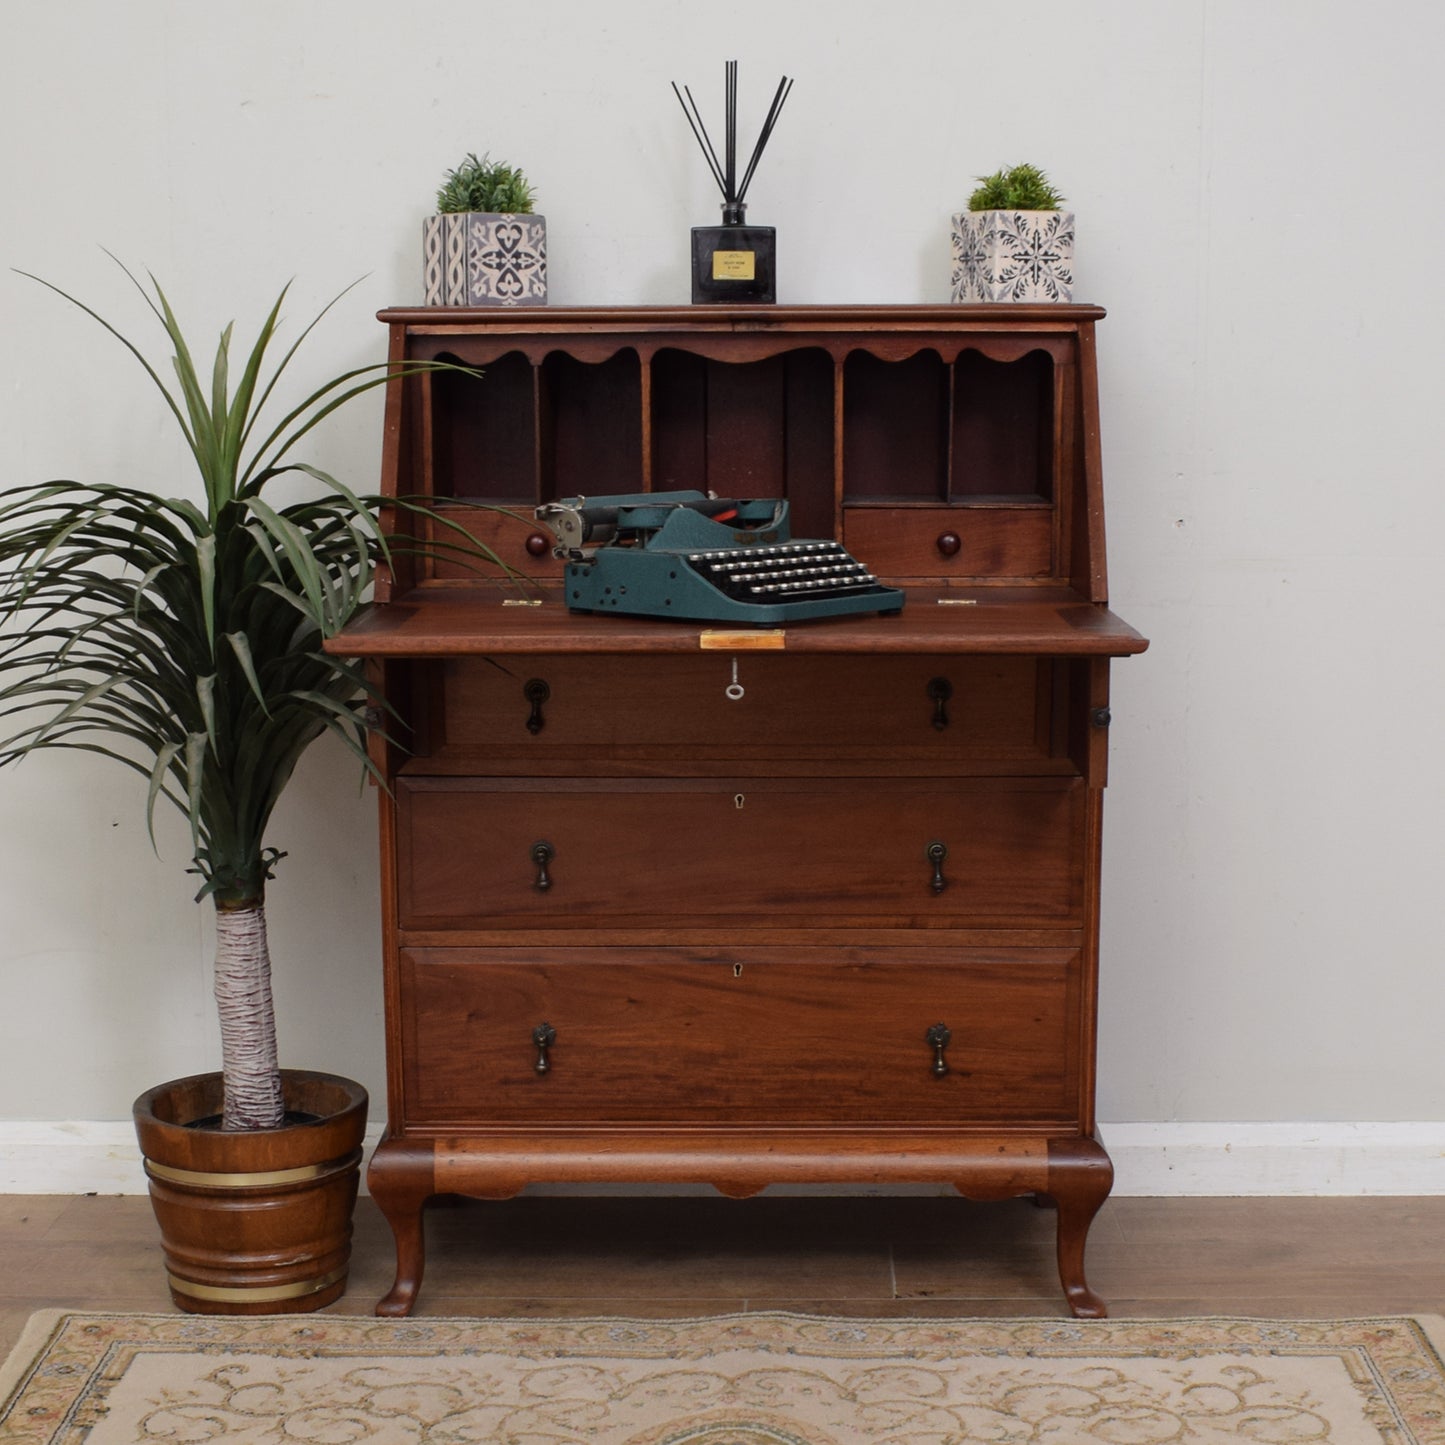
[734, 265]
[713, 639]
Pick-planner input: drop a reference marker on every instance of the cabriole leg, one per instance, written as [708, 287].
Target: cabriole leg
[1080, 1177]
[401, 1181]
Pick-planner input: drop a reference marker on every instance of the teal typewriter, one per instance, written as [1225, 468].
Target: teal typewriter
[705, 559]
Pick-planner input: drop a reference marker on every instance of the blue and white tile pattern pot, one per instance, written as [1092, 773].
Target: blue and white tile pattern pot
[484, 258]
[1013, 256]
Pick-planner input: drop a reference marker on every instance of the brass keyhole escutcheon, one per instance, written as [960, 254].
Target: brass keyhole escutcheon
[536, 692]
[738, 800]
[940, 690]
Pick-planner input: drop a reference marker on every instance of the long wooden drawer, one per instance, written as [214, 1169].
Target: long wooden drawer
[742, 1036]
[916, 707]
[563, 853]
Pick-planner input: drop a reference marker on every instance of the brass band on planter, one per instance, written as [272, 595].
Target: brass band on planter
[238, 1181]
[255, 1294]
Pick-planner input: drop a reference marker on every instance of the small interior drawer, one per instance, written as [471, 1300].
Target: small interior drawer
[739, 1036]
[508, 531]
[955, 543]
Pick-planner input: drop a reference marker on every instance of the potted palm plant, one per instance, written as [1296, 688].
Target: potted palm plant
[485, 246]
[1014, 243]
[183, 638]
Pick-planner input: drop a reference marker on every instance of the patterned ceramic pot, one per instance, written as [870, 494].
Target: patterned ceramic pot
[484, 258]
[1013, 256]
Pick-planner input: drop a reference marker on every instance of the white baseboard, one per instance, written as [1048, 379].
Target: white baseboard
[1149, 1159]
[74, 1157]
[1238, 1159]
[79, 1157]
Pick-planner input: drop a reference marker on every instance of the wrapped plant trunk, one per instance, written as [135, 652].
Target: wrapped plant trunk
[248, 1018]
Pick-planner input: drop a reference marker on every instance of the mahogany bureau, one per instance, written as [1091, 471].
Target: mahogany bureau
[841, 929]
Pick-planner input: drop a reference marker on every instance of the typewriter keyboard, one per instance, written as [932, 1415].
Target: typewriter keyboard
[785, 572]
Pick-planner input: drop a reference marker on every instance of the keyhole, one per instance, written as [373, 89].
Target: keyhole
[737, 970]
[738, 800]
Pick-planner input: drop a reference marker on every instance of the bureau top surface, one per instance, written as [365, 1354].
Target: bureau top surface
[465, 620]
[741, 318]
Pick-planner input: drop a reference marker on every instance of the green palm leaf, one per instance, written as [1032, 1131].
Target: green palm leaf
[186, 639]
[182, 636]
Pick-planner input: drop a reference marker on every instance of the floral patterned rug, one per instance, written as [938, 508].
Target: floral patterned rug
[749, 1379]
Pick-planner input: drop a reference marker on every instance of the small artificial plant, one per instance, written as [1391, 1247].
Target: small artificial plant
[1016, 188]
[184, 638]
[486, 186]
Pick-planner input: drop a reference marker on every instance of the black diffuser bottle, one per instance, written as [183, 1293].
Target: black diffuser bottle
[734, 261]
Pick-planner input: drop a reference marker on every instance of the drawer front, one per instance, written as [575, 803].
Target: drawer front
[562, 853]
[507, 532]
[896, 707]
[958, 543]
[751, 1036]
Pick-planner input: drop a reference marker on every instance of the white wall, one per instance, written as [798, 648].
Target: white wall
[1259, 207]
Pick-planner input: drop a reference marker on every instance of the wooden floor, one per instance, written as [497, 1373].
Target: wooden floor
[897, 1255]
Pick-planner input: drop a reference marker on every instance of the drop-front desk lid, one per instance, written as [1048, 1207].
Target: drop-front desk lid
[471, 619]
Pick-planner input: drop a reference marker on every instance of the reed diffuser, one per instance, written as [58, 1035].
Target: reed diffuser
[734, 261]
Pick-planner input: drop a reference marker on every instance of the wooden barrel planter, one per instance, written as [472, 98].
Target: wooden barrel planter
[254, 1222]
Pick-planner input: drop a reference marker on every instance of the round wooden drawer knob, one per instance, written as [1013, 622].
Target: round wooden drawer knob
[948, 544]
[537, 545]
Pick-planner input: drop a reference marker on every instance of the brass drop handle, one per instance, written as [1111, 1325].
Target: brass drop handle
[939, 1037]
[936, 853]
[536, 692]
[940, 689]
[542, 855]
[543, 1036]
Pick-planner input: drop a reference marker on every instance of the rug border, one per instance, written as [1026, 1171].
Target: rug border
[33, 1334]
[1433, 1328]
[43, 1324]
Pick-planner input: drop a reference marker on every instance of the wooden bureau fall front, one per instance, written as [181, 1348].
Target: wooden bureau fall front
[841, 928]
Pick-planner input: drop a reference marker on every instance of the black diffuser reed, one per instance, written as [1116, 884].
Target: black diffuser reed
[734, 261]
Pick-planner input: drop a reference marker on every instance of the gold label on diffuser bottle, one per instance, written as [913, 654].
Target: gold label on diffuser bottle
[734, 265]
